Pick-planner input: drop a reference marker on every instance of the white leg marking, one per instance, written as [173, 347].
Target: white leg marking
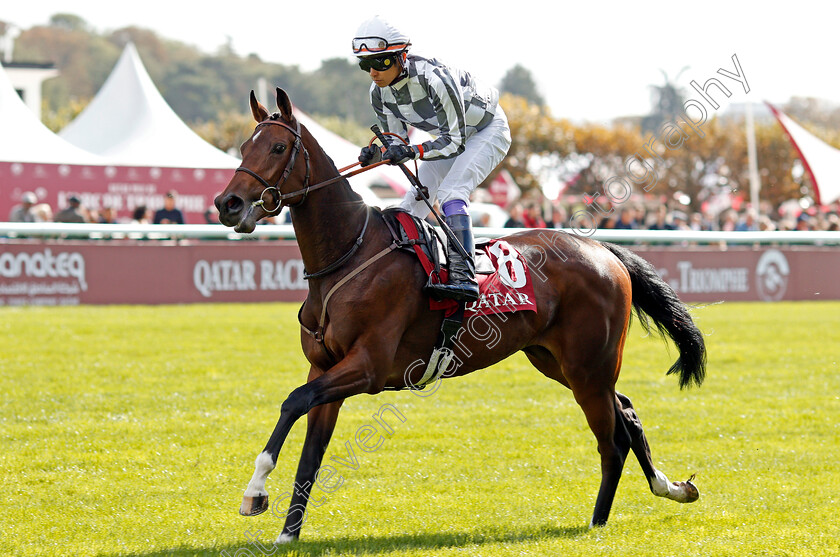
[660, 485]
[663, 488]
[262, 468]
[284, 538]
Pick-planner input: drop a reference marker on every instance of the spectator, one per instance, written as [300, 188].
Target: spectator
[729, 221]
[23, 212]
[749, 223]
[708, 221]
[765, 224]
[71, 213]
[533, 216]
[42, 212]
[558, 218]
[680, 220]
[626, 219]
[107, 216]
[515, 220]
[141, 215]
[661, 222]
[803, 222]
[169, 214]
[695, 222]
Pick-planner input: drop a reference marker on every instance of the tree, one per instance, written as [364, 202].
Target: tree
[69, 22]
[518, 81]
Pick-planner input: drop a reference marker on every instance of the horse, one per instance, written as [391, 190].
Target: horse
[366, 320]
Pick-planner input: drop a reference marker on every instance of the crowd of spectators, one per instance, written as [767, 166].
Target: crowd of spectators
[521, 214]
[31, 210]
[641, 216]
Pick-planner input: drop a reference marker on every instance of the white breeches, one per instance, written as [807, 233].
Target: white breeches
[457, 178]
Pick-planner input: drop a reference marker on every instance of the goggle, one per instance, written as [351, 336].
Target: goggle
[372, 44]
[379, 64]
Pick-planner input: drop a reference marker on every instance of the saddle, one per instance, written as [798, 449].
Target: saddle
[418, 235]
[505, 288]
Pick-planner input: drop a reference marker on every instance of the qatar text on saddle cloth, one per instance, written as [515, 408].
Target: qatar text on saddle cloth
[508, 289]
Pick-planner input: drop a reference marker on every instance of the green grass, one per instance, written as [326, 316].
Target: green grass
[133, 431]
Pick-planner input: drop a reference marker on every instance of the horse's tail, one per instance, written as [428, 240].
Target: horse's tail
[654, 298]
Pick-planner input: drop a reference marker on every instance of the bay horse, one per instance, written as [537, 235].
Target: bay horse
[364, 325]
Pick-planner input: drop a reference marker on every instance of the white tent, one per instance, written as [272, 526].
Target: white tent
[24, 139]
[129, 123]
[343, 153]
[821, 160]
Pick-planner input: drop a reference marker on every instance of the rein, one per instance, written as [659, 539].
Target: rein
[304, 191]
[278, 197]
[343, 259]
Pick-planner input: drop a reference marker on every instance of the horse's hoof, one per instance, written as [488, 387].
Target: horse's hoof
[690, 493]
[252, 506]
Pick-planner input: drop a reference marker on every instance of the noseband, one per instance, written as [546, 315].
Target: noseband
[274, 190]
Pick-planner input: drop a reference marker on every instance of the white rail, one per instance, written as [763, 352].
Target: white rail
[286, 232]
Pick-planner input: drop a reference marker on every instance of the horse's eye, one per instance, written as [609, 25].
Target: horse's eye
[278, 148]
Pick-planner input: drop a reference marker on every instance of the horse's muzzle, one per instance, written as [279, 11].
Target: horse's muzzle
[231, 208]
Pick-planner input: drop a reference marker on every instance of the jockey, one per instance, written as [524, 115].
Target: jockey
[470, 129]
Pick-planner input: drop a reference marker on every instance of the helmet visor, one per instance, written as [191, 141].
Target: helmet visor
[372, 45]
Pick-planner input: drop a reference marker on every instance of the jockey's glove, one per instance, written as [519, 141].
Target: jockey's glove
[400, 153]
[370, 155]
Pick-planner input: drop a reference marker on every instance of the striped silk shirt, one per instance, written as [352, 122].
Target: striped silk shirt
[448, 103]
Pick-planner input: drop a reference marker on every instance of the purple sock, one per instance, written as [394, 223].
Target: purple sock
[455, 207]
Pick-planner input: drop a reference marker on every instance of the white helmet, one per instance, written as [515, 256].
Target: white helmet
[376, 37]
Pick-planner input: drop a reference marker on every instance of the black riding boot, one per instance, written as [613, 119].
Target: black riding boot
[462, 285]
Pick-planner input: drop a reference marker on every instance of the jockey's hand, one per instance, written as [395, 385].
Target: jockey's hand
[400, 153]
[370, 155]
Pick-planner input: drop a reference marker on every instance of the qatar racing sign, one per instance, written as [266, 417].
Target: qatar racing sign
[128, 272]
[232, 275]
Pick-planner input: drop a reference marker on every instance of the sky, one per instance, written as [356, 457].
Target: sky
[591, 60]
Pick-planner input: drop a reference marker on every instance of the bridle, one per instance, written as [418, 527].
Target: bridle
[279, 198]
[304, 191]
[275, 189]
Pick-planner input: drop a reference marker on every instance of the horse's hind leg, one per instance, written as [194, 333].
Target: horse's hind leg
[593, 389]
[682, 492]
[613, 445]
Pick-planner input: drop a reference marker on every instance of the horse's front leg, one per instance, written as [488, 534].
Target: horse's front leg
[320, 425]
[351, 376]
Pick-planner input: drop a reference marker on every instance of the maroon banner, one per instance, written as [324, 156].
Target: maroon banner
[749, 274]
[148, 272]
[122, 188]
[118, 272]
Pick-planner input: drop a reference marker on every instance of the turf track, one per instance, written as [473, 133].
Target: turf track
[132, 431]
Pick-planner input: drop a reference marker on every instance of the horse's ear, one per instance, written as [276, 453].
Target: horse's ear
[258, 111]
[284, 104]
